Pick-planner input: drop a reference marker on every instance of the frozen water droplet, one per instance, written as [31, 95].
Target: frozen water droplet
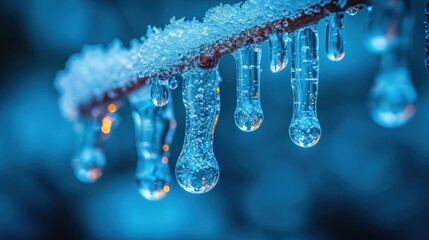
[173, 84]
[159, 93]
[248, 114]
[197, 170]
[278, 51]
[304, 129]
[154, 128]
[393, 98]
[352, 11]
[335, 37]
[89, 160]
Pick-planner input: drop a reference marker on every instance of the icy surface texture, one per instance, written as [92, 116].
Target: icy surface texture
[93, 72]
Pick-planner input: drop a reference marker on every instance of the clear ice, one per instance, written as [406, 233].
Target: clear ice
[393, 97]
[154, 129]
[197, 170]
[97, 70]
[248, 113]
[158, 93]
[304, 129]
[335, 36]
[89, 159]
[278, 51]
[173, 83]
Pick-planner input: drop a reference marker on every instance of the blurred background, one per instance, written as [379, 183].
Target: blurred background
[361, 181]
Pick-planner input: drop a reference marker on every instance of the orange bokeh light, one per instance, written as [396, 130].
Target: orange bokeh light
[112, 108]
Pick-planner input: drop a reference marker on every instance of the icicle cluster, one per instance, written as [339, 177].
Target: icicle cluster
[183, 47]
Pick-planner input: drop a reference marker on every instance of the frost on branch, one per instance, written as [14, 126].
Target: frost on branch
[99, 75]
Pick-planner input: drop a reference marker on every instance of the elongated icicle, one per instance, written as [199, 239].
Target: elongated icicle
[335, 36]
[154, 128]
[197, 170]
[278, 51]
[304, 129]
[248, 114]
[89, 160]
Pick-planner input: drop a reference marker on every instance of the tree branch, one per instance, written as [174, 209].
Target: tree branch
[203, 60]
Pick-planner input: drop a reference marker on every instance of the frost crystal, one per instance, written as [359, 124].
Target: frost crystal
[93, 72]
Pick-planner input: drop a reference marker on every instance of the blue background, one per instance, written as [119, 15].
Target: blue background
[361, 181]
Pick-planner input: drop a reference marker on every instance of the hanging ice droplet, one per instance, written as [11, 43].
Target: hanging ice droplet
[278, 51]
[427, 34]
[393, 97]
[386, 23]
[248, 114]
[159, 93]
[335, 36]
[154, 128]
[197, 170]
[173, 83]
[304, 129]
[89, 160]
[352, 11]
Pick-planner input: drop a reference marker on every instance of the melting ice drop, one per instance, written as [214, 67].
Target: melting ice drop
[304, 129]
[335, 36]
[154, 128]
[197, 170]
[248, 114]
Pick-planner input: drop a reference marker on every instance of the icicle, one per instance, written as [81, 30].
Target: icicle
[278, 51]
[89, 160]
[173, 83]
[352, 11]
[427, 34]
[393, 97]
[304, 129]
[159, 93]
[197, 170]
[154, 129]
[335, 37]
[386, 22]
[248, 114]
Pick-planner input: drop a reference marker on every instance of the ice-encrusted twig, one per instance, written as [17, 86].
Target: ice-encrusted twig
[183, 45]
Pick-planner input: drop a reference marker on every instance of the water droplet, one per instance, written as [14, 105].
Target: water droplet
[89, 160]
[248, 114]
[304, 129]
[173, 84]
[335, 37]
[154, 128]
[392, 98]
[197, 170]
[352, 11]
[159, 93]
[278, 51]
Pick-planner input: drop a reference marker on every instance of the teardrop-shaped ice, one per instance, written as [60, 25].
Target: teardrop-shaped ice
[335, 37]
[159, 93]
[304, 129]
[154, 128]
[197, 170]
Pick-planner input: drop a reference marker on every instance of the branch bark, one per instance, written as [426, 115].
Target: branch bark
[254, 35]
